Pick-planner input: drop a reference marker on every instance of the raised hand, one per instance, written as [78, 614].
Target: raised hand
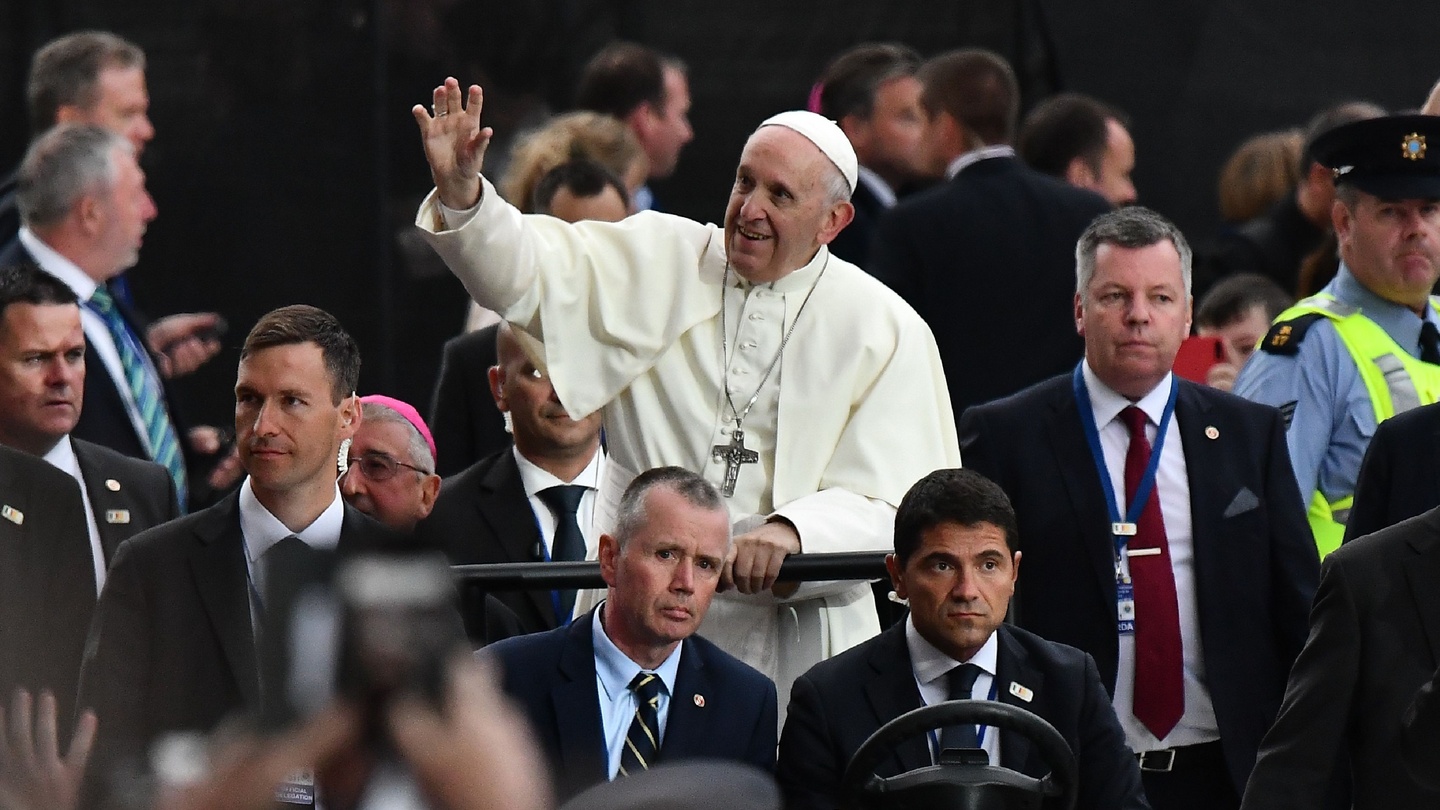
[454, 142]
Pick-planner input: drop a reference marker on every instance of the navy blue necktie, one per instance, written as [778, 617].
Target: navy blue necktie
[569, 542]
[962, 681]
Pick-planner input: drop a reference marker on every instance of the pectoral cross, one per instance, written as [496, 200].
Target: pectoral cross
[735, 453]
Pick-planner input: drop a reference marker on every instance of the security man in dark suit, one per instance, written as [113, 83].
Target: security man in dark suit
[955, 561]
[629, 684]
[1400, 476]
[534, 501]
[1162, 529]
[968, 252]
[173, 644]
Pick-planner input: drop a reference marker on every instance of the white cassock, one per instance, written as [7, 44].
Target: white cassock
[626, 317]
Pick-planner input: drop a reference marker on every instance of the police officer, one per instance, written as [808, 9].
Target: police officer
[1366, 347]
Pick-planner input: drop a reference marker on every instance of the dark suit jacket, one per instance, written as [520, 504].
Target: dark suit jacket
[1421, 734]
[171, 647]
[463, 416]
[988, 260]
[1400, 477]
[721, 709]
[853, 243]
[47, 579]
[9, 210]
[103, 418]
[1255, 561]
[1374, 640]
[142, 497]
[483, 516]
[839, 703]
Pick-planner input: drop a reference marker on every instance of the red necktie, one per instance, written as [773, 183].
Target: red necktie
[1159, 684]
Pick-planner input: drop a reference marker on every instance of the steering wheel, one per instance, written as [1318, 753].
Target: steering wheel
[958, 785]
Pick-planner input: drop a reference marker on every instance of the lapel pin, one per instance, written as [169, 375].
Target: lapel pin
[12, 514]
[1021, 692]
[1212, 432]
[117, 515]
[700, 700]
[112, 485]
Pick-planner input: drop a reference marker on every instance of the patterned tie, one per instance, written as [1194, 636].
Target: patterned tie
[642, 741]
[569, 543]
[962, 682]
[1159, 684]
[1429, 343]
[144, 386]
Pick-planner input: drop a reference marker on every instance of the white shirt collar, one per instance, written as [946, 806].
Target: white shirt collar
[881, 189]
[929, 663]
[974, 156]
[58, 266]
[1107, 403]
[263, 530]
[536, 480]
[62, 456]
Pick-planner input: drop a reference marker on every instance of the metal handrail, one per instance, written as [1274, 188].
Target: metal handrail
[548, 575]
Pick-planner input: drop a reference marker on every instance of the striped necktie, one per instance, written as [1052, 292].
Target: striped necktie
[642, 741]
[144, 385]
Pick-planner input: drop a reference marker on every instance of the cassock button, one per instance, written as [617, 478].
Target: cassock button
[1212, 432]
[112, 485]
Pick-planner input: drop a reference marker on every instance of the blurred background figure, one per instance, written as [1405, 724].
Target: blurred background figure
[650, 94]
[872, 93]
[1082, 141]
[1263, 169]
[1238, 311]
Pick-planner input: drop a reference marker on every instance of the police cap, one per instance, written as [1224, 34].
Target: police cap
[1396, 157]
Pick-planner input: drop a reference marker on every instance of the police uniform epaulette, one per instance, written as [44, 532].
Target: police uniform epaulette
[1284, 337]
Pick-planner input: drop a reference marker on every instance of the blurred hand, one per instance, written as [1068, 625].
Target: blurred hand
[33, 774]
[183, 343]
[480, 754]
[756, 556]
[245, 770]
[1222, 376]
[454, 143]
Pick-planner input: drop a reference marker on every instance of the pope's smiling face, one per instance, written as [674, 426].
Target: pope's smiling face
[781, 208]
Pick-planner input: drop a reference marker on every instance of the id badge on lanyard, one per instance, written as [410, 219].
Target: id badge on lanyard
[1122, 528]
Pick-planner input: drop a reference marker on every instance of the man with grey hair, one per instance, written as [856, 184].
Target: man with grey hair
[389, 466]
[87, 77]
[632, 673]
[85, 210]
[747, 353]
[1160, 521]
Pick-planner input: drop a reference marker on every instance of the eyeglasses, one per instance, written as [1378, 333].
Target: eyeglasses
[378, 467]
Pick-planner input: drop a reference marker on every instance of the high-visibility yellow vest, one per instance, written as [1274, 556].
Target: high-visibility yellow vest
[1395, 381]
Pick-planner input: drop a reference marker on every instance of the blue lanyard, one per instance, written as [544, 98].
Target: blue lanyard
[1147, 481]
[544, 554]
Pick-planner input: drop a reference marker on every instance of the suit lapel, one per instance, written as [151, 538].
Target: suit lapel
[220, 570]
[891, 692]
[687, 729]
[505, 507]
[1082, 486]
[1013, 666]
[577, 708]
[1208, 491]
[111, 534]
[1422, 574]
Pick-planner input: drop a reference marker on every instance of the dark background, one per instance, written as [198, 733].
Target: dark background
[286, 166]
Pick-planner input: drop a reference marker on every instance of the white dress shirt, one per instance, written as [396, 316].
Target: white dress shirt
[262, 530]
[62, 455]
[974, 156]
[1172, 482]
[536, 480]
[932, 668]
[877, 185]
[97, 334]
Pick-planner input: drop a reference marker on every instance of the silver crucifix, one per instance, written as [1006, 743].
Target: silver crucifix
[735, 453]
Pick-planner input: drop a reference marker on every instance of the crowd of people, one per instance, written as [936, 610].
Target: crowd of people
[1216, 464]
